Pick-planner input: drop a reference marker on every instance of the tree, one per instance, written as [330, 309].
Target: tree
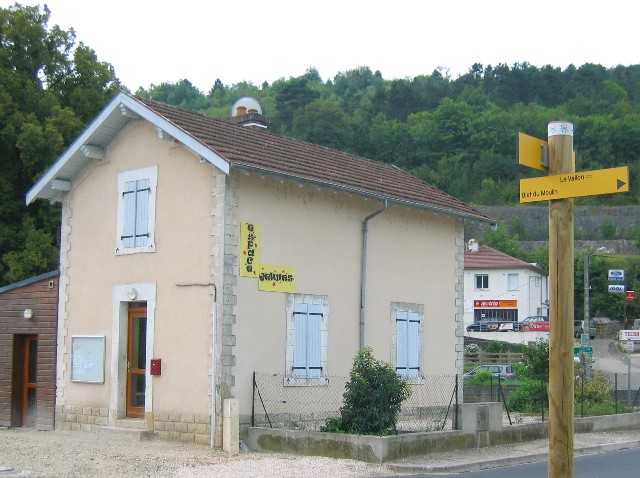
[608, 229]
[501, 239]
[218, 90]
[489, 192]
[182, 94]
[389, 140]
[324, 123]
[49, 88]
[39, 254]
[294, 95]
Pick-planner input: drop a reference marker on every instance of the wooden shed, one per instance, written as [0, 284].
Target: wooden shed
[28, 324]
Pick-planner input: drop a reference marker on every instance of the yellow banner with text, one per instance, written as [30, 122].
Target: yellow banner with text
[249, 249]
[277, 278]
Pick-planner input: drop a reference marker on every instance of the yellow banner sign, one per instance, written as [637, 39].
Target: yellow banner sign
[563, 186]
[277, 278]
[249, 249]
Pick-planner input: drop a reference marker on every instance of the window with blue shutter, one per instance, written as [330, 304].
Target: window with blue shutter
[136, 211]
[408, 343]
[307, 320]
[135, 231]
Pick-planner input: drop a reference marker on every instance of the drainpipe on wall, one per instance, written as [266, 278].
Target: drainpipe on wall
[213, 366]
[363, 278]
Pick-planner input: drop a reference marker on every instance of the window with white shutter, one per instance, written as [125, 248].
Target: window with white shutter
[136, 211]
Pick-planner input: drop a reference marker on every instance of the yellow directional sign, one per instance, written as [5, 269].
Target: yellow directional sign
[532, 152]
[587, 183]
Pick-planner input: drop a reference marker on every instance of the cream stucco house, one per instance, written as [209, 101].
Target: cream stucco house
[196, 251]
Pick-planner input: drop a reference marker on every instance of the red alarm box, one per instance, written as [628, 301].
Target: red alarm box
[156, 366]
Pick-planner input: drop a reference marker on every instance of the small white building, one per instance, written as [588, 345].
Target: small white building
[501, 287]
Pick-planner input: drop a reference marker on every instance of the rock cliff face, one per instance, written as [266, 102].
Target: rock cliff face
[596, 226]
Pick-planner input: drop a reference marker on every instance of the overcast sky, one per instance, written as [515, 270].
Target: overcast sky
[151, 42]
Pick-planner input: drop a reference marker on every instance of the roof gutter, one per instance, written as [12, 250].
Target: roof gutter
[363, 277]
[379, 197]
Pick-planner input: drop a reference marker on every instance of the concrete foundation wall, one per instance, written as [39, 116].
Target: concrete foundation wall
[481, 430]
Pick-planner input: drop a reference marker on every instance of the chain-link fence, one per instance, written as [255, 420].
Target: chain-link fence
[526, 401]
[601, 393]
[306, 404]
[283, 402]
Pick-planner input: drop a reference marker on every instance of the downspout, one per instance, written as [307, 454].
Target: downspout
[363, 278]
[214, 321]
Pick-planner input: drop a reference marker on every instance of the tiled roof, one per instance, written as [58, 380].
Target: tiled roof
[257, 148]
[488, 258]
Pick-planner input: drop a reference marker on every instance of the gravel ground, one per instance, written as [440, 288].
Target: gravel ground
[107, 455]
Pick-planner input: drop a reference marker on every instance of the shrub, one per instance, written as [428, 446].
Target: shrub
[495, 347]
[597, 389]
[372, 399]
[481, 377]
[472, 349]
[529, 398]
[536, 357]
[471, 352]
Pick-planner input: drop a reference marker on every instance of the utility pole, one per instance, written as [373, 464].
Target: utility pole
[587, 290]
[561, 275]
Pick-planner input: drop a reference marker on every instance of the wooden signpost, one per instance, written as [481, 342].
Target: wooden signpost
[562, 184]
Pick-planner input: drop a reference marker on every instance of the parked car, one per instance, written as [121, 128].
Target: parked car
[578, 329]
[536, 323]
[504, 372]
[484, 326]
[512, 325]
[495, 326]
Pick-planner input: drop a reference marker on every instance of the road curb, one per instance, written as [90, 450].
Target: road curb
[509, 461]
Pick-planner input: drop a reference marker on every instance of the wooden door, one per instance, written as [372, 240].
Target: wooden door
[136, 361]
[30, 381]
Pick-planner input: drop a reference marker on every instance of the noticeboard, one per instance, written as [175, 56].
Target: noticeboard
[87, 358]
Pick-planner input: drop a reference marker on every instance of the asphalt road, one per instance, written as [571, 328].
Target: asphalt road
[613, 464]
[610, 360]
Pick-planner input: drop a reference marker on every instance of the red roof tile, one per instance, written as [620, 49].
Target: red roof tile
[488, 258]
[257, 148]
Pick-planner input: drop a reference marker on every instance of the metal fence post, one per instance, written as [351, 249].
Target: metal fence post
[253, 400]
[615, 377]
[456, 427]
[542, 401]
[629, 382]
[582, 395]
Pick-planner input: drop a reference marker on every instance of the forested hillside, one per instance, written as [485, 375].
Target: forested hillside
[458, 134]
